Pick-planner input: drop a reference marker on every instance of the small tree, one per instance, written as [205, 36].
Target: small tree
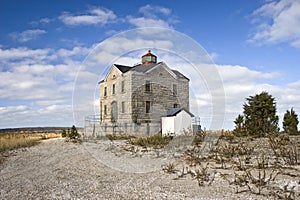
[63, 133]
[239, 129]
[260, 115]
[290, 122]
[74, 133]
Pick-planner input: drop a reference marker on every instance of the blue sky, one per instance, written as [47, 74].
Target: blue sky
[255, 46]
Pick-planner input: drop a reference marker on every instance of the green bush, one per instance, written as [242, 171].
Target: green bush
[119, 136]
[63, 133]
[74, 133]
[157, 141]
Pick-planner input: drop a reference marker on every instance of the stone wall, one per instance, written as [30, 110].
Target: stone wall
[97, 130]
[134, 96]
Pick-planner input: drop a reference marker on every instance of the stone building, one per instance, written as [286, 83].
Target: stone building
[133, 98]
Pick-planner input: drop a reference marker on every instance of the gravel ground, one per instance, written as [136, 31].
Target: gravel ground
[56, 169]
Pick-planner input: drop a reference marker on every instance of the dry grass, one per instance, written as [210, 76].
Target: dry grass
[11, 141]
[156, 141]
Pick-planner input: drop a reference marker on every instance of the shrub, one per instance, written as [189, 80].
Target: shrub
[290, 122]
[74, 133]
[63, 133]
[157, 141]
[119, 136]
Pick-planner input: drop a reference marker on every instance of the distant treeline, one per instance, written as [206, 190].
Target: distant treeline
[34, 130]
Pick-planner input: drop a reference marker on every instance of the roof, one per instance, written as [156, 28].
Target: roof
[144, 68]
[123, 68]
[180, 75]
[149, 54]
[175, 111]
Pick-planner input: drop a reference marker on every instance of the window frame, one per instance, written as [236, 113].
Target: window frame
[123, 107]
[147, 86]
[105, 92]
[175, 90]
[113, 89]
[148, 107]
[122, 86]
[105, 110]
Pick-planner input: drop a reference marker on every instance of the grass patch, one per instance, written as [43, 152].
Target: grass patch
[17, 140]
[156, 141]
[119, 136]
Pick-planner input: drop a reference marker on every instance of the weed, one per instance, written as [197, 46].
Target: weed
[192, 156]
[156, 141]
[169, 168]
[119, 136]
[203, 176]
[254, 183]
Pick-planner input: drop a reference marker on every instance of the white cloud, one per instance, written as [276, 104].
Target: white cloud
[42, 90]
[241, 82]
[241, 74]
[153, 16]
[150, 10]
[141, 22]
[93, 16]
[23, 53]
[277, 22]
[27, 116]
[27, 35]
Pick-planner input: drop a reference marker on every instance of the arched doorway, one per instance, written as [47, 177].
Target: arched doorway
[114, 111]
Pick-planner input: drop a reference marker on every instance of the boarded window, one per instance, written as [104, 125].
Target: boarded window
[123, 107]
[174, 89]
[148, 106]
[114, 111]
[122, 86]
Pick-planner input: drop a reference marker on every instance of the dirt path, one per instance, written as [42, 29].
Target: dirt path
[56, 169]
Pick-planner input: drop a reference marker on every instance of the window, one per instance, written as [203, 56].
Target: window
[147, 106]
[174, 90]
[147, 86]
[114, 111]
[105, 91]
[105, 110]
[113, 89]
[123, 107]
[176, 105]
[122, 86]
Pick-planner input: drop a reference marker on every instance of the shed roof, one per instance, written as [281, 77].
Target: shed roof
[175, 111]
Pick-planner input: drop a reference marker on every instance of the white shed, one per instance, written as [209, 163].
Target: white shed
[176, 121]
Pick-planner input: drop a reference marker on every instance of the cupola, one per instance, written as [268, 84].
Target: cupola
[149, 58]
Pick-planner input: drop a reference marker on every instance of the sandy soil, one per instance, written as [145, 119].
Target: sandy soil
[56, 169]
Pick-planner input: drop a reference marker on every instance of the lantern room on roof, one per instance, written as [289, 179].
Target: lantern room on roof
[149, 58]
